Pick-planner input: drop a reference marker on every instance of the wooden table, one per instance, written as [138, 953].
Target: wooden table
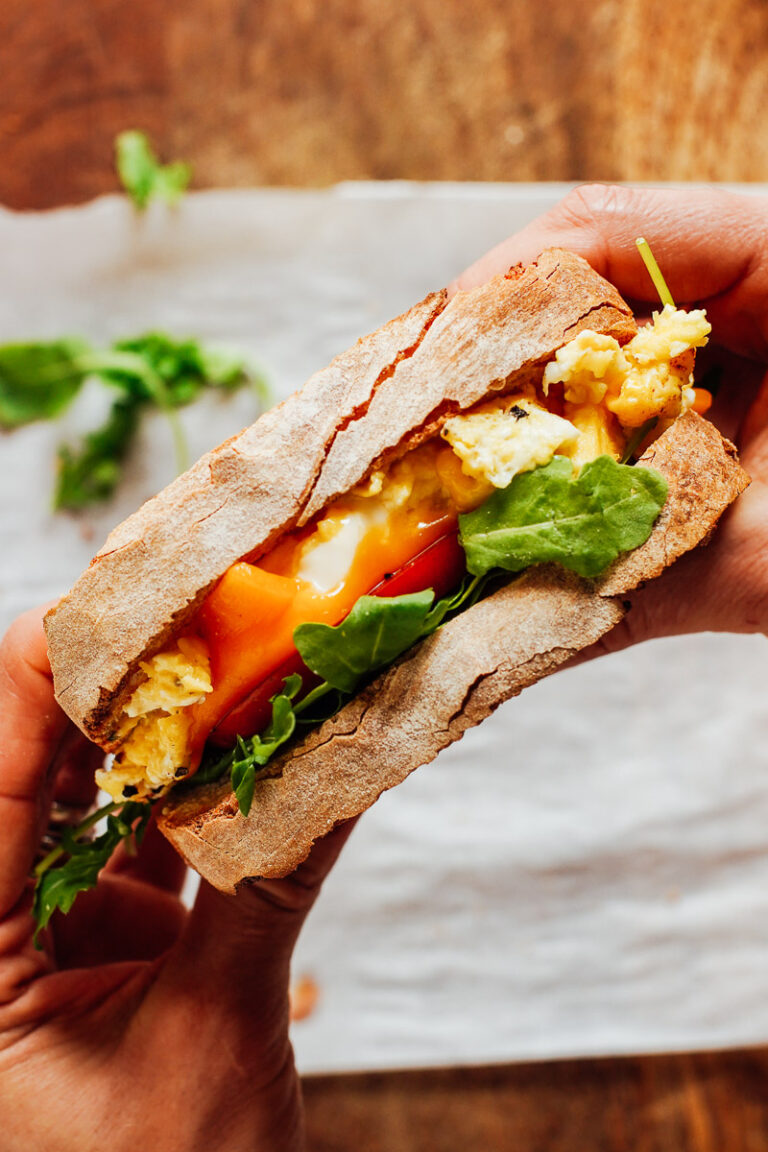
[696, 1103]
[316, 91]
[310, 92]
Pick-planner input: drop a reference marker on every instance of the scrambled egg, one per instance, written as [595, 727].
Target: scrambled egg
[496, 445]
[411, 481]
[649, 377]
[154, 750]
[598, 431]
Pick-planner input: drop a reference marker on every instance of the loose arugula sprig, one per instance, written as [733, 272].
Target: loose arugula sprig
[142, 175]
[58, 884]
[39, 379]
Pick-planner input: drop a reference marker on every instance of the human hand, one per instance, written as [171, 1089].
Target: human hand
[140, 1023]
[711, 246]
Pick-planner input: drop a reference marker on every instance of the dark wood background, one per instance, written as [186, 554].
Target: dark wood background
[309, 92]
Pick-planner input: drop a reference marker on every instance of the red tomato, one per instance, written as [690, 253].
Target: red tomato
[440, 566]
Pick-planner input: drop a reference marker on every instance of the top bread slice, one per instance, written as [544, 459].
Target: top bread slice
[384, 395]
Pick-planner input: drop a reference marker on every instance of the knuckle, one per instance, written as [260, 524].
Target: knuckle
[590, 203]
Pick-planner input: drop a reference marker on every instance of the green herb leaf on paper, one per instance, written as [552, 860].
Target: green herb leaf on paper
[38, 379]
[185, 367]
[92, 471]
[142, 175]
[582, 522]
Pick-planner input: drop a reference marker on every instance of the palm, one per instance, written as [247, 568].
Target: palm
[90, 1026]
[139, 1018]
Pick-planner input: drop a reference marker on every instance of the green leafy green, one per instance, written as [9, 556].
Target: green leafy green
[92, 472]
[259, 749]
[39, 379]
[185, 367]
[581, 521]
[152, 370]
[142, 175]
[58, 886]
[374, 634]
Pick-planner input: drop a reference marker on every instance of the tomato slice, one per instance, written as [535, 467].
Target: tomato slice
[441, 566]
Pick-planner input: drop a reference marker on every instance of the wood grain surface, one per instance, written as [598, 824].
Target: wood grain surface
[309, 92]
[684, 1103]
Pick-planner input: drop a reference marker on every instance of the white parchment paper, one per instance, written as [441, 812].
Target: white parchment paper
[587, 872]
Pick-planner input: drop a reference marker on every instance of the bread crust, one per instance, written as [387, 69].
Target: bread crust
[374, 401]
[449, 683]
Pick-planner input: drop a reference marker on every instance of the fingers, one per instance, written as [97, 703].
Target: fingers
[156, 862]
[32, 727]
[241, 945]
[709, 244]
[738, 386]
[77, 760]
[121, 919]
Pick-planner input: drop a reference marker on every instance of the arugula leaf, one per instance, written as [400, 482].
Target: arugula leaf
[92, 471]
[142, 175]
[374, 634]
[39, 379]
[582, 522]
[259, 750]
[185, 367]
[58, 887]
[243, 760]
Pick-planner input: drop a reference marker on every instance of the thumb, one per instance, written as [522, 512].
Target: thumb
[237, 949]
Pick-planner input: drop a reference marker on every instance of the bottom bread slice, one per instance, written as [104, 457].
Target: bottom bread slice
[449, 683]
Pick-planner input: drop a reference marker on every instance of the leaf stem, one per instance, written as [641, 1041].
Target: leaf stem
[637, 438]
[76, 834]
[135, 364]
[316, 694]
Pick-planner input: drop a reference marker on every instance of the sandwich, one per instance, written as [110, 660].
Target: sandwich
[452, 509]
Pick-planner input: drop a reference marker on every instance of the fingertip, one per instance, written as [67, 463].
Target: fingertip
[24, 642]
